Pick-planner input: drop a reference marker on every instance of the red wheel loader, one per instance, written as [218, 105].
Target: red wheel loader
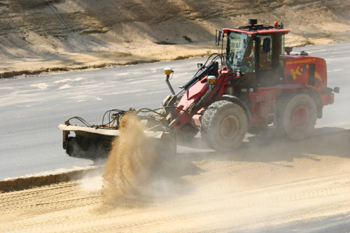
[253, 84]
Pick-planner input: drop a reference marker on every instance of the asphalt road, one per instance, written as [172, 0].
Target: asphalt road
[31, 108]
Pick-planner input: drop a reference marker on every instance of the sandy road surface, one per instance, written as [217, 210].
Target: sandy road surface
[269, 185]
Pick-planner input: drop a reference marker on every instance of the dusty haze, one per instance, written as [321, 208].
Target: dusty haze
[281, 186]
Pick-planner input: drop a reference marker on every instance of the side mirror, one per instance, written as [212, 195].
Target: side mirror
[266, 45]
[288, 49]
[219, 35]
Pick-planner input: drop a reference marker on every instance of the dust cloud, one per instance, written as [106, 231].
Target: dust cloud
[91, 181]
[128, 167]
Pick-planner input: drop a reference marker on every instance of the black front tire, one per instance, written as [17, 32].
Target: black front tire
[224, 125]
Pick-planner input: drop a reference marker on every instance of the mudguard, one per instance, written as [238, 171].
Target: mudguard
[238, 101]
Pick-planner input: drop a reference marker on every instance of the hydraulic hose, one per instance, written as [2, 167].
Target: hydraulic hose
[200, 73]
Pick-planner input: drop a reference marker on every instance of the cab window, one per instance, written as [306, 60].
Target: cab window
[265, 53]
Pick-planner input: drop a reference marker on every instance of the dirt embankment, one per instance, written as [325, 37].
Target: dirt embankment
[71, 34]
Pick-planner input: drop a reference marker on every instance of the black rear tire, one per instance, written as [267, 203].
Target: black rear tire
[296, 116]
[224, 125]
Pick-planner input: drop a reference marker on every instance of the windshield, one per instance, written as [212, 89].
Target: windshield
[239, 49]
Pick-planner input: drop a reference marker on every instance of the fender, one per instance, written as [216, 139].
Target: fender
[236, 100]
[307, 89]
[315, 95]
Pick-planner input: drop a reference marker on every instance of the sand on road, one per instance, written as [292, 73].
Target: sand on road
[268, 185]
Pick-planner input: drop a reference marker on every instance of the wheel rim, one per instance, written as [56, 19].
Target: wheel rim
[229, 127]
[301, 117]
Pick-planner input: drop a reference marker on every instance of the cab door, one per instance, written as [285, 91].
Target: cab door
[269, 59]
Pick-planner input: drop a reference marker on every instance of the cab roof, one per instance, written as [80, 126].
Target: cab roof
[257, 29]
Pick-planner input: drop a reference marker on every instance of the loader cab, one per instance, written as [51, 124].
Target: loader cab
[258, 52]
